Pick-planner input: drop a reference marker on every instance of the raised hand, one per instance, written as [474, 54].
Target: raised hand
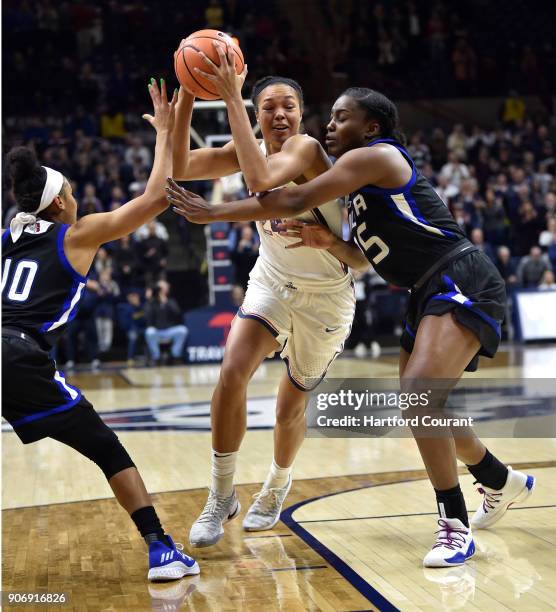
[164, 111]
[187, 204]
[310, 234]
[226, 81]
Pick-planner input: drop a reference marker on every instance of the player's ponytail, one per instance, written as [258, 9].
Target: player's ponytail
[378, 106]
[28, 178]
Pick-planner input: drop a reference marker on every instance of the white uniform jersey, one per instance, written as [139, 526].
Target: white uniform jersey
[305, 267]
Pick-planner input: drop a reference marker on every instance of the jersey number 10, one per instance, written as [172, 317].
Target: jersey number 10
[22, 279]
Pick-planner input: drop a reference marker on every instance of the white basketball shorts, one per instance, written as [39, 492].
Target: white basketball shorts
[310, 327]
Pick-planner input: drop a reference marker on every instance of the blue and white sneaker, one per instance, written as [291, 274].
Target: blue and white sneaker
[518, 488]
[169, 563]
[454, 544]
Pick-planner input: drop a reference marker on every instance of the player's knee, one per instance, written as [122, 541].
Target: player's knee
[93, 439]
[233, 376]
[291, 415]
[109, 454]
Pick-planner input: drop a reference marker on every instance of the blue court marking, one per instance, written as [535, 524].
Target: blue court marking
[361, 585]
[299, 568]
[342, 567]
[274, 535]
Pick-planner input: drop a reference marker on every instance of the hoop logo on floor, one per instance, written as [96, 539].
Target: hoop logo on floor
[501, 404]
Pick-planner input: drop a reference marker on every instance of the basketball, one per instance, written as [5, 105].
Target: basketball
[187, 57]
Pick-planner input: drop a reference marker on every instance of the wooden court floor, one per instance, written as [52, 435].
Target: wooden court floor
[354, 529]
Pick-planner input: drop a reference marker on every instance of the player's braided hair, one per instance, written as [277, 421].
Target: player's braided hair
[271, 80]
[378, 106]
[28, 178]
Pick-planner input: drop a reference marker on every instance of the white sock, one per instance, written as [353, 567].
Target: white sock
[223, 469]
[277, 476]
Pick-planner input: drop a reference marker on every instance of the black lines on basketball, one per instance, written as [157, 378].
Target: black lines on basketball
[212, 93]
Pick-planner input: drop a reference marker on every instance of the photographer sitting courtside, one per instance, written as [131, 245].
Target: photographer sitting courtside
[164, 323]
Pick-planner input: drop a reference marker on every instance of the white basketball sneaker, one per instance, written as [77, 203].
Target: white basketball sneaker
[208, 529]
[517, 489]
[264, 512]
[454, 544]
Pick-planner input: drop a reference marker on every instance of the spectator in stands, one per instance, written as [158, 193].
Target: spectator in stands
[547, 281]
[454, 170]
[438, 148]
[532, 267]
[495, 222]
[137, 150]
[117, 197]
[418, 150]
[513, 109]
[528, 227]
[457, 142]
[126, 263]
[146, 230]
[153, 252]
[103, 261]
[473, 204]
[112, 124]
[550, 203]
[445, 189]
[245, 254]
[107, 294]
[360, 338]
[164, 323]
[385, 45]
[506, 265]
[132, 321]
[137, 187]
[477, 238]
[548, 236]
[89, 202]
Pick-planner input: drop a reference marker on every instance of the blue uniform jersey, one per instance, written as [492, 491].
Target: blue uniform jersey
[40, 289]
[403, 231]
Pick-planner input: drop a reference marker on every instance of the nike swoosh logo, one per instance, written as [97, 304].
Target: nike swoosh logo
[331, 329]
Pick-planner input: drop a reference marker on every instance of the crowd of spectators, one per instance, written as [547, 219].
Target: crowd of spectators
[419, 48]
[96, 57]
[89, 86]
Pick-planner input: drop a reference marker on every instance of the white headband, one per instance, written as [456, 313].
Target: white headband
[52, 187]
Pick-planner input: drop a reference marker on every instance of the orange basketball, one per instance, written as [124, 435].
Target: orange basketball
[187, 57]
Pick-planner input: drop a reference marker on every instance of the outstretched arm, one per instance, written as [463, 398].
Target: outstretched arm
[353, 170]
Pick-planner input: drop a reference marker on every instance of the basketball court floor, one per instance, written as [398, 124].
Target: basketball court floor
[354, 529]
